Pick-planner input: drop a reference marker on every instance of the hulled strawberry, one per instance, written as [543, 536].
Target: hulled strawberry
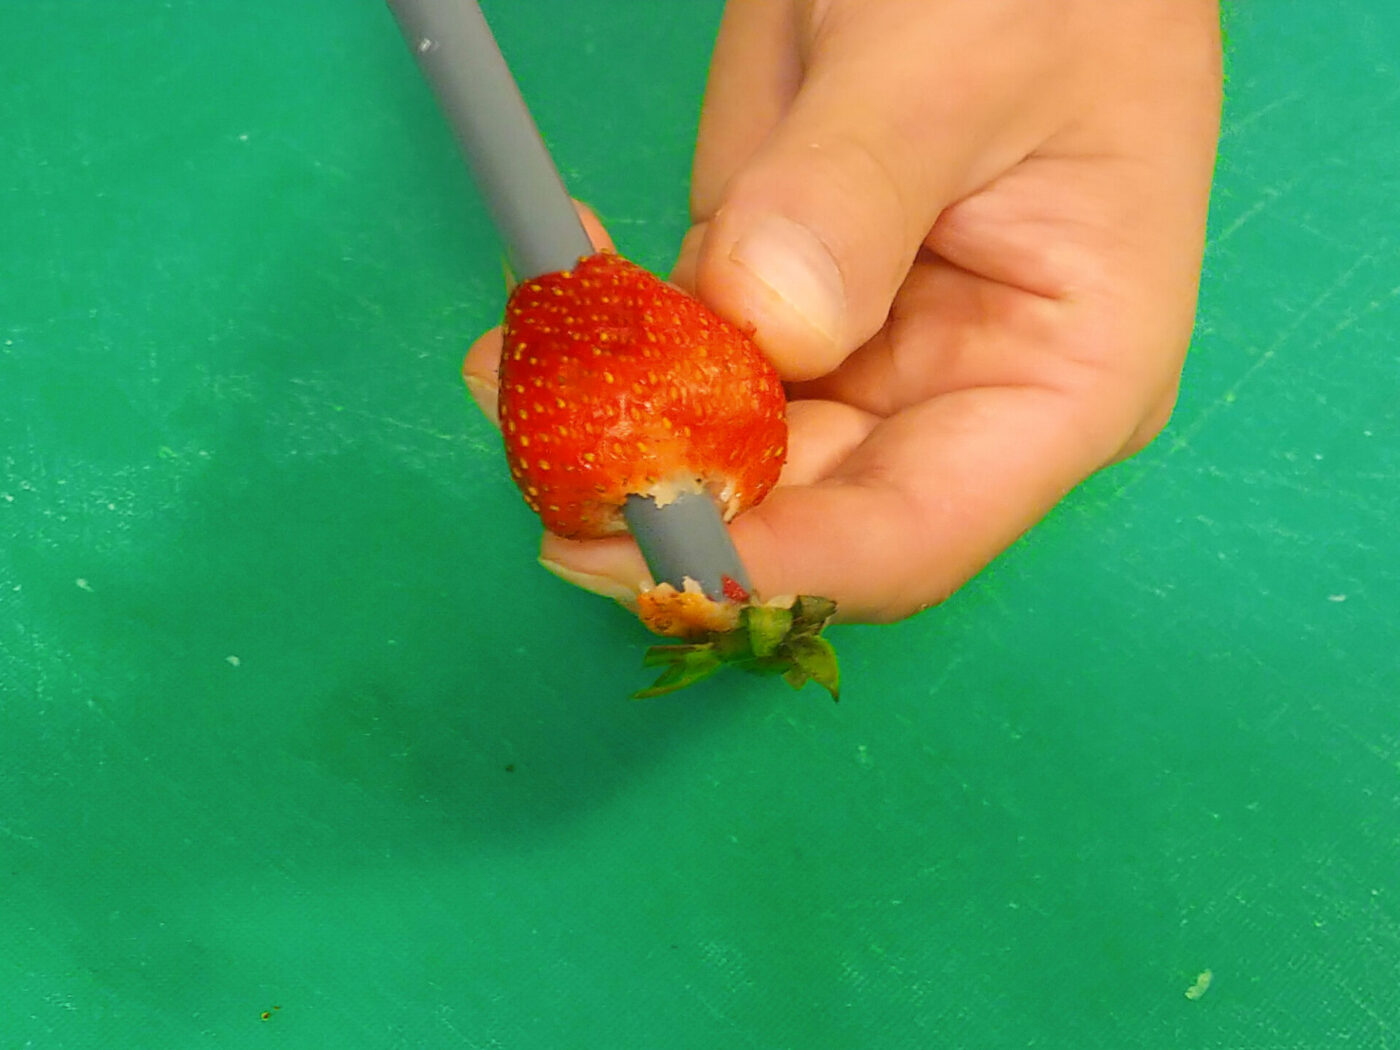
[614, 383]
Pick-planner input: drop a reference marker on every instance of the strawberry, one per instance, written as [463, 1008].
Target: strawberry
[614, 383]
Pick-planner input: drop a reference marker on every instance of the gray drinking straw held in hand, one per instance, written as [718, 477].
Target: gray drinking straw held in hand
[542, 232]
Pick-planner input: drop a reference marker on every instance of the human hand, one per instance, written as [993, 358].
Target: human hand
[970, 236]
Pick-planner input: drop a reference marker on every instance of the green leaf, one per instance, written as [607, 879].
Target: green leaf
[665, 655]
[766, 627]
[796, 677]
[816, 659]
[686, 671]
[810, 614]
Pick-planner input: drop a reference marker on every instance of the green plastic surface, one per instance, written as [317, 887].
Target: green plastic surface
[290, 722]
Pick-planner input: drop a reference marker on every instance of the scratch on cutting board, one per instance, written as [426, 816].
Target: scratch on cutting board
[1268, 196]
[403, 425]
[1368, 1010]
[1371, 307]
[1387, 756]
[718, 1014]
[319, 398]
[1236, 126]
[1231, 394]
[11, 833]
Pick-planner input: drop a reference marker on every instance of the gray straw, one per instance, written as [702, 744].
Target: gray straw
[686, 538]
[536, 219]
[523, 190]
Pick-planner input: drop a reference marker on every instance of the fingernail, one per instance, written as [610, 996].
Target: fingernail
[485, 394]
[797, 267]
[601, 585]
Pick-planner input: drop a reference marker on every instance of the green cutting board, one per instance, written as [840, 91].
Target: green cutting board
[299, 748]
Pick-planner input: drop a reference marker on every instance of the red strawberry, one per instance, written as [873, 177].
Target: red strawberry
[615, 383]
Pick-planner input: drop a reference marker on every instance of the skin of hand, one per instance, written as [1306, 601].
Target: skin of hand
[969, 235]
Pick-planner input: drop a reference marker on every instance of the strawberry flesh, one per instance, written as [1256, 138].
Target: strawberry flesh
[734, 590]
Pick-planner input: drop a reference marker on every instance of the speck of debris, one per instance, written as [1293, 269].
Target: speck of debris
[82, 584]
[510, 767]
[1201, 986]
[234, 661]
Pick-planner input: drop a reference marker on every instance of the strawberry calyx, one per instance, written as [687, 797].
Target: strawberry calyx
[769, 639]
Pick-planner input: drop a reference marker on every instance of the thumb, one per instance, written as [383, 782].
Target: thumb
[807, 236]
